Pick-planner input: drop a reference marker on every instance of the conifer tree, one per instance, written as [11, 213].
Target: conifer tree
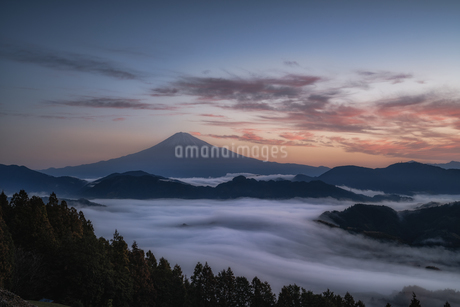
[349, 300]
[243, 290]
[209, 286]
[289, 296]
[196, 286]
[262, 294]
[226, 288]
[203, 286]
[178, 287]
[143, 289]
[123, 283]
[414, 302]
[162, 283]
[6, 246]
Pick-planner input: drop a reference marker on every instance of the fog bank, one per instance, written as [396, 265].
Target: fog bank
[278, 241]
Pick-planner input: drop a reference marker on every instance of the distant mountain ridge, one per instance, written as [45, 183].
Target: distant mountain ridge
[142, 185]
[14, 178]
[164, 159]
[138, 185]
[401, 178]
[450, 165]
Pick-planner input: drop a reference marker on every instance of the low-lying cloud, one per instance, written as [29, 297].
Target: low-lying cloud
[213, 182]
[277, 241]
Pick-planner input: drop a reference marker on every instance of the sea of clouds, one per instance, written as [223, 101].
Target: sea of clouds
[279, 242]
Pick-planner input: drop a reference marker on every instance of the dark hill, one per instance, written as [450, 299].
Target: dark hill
[161, 159]
[14, 178]
[146, 186]
[400, 178]
[243, 187]
[302, 177]
[439, 225]
[137, 185]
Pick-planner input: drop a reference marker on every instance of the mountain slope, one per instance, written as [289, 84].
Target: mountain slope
[161, 159]
[14, 178]
[399, 178]
[138, 185]
[439, 225]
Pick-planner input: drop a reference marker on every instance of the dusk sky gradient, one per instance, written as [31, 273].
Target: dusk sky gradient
[339, 82]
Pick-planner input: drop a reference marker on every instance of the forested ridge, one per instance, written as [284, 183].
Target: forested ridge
[50, 250]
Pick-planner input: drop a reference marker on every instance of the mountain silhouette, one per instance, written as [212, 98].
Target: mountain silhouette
[176, 157]
[425, 226]
[400, 178]
[14, 178]
[141, 185]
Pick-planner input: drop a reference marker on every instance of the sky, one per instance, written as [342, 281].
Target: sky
[368, 83]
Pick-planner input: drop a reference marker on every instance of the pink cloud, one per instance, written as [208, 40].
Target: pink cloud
[251, 137]
[404, 148]
[212, 115]
[235, 137]
[298, 136]
[228, 123]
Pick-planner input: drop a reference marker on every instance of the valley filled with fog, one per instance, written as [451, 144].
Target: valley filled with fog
[278, 241]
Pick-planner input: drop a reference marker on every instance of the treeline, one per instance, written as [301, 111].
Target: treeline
[50, 250]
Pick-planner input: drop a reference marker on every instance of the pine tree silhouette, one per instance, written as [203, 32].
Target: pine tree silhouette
[415, 302]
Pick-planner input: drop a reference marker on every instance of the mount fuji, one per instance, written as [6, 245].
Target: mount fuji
[165, 159]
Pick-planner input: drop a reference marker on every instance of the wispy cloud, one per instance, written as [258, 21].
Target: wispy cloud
[250, 106]
[297, 136]
[62, 116]
[252, 137]
[414, 148]
[67, 61]
[291, 63]
[326, 118]
[228, 123]
[115, 103]
[238, 89]
[212, 115]
[382, 76]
